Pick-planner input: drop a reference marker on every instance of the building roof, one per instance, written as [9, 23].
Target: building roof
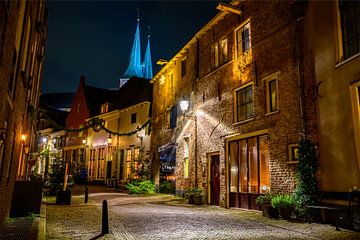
[134, 91]
[57, 100]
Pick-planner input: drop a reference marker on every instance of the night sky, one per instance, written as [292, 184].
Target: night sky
[94, 38]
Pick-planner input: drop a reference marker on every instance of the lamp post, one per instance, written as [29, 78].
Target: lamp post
[184, 106]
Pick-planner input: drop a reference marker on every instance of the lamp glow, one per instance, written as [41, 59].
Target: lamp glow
[109, 139]
[23, 137]
[184, 105]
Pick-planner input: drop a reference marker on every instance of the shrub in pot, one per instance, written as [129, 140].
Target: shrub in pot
[190, 195]
[285, 204]
[198, 196]
[264, 201]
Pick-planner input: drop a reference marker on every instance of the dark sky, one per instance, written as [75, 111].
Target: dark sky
[94, 38]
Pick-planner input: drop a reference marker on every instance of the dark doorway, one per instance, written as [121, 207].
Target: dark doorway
[108, 169]
[214, 180]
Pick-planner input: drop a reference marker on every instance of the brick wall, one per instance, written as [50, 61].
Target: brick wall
[15, 105]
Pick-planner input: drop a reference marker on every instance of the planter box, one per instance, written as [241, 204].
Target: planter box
[63, 197]
[26, 198]
[191, 199]
[285, 212]
[198, 199]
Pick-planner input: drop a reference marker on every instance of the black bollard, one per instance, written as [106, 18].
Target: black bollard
[86, 194]
[105, 219]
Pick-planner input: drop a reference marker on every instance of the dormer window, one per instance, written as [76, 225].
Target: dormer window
[104, 108]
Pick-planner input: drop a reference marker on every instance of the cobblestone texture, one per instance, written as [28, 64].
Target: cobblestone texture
[166, 217]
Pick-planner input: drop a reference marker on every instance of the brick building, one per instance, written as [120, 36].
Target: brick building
[23, 29]
[248, 78]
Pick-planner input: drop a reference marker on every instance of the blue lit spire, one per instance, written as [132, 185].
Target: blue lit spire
[147, 61]
[135, 68]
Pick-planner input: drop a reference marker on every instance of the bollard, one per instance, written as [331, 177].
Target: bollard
[105, 219]
[86, 194]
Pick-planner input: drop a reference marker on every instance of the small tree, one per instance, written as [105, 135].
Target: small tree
[307, 186]
[56, 176]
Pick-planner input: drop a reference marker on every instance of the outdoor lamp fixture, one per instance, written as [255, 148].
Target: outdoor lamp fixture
[109, 139]
[44, 139]
[23, 137]
[184, 105]
[84, 141]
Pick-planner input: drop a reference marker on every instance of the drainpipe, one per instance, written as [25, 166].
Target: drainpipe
[196, 152]
[300, 79]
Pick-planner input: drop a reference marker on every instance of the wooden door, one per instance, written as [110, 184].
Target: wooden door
[214, 180]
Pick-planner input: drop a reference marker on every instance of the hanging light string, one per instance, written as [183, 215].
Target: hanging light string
[96, 124]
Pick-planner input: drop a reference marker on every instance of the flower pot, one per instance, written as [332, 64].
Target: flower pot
[269, 212]
[63, 197]
[285, 212]
[198, 199]
[191, 199]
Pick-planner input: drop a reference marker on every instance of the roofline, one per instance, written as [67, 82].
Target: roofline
[197, 35]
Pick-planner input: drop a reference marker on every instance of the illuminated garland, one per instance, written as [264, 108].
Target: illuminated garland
[97, 124]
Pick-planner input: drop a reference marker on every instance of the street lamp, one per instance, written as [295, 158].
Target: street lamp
[23, 137]
[184, 105]
[109, 139]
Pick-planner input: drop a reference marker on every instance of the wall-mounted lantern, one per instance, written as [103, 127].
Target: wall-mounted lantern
[184, 105]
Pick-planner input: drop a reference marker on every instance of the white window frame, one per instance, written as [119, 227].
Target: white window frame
[243, 25]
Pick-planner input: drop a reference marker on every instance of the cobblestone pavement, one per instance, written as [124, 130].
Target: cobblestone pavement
[166, 217]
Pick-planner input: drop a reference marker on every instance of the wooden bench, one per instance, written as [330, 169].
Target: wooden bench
[352, 209]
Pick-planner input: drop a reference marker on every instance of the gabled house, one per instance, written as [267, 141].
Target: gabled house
[231, 105]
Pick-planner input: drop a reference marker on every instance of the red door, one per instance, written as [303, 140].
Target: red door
[214, 180]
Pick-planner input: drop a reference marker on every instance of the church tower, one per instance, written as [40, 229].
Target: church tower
[136, 68]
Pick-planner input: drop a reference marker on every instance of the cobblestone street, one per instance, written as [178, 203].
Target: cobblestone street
[166, 217]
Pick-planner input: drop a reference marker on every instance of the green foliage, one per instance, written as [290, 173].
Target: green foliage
[56, 176]
[264, 199]
[282, 201]
[141, 186]
[307, 186]
[167, 187]
[194, 191]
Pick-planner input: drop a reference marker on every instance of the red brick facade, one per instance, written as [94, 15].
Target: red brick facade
[278, 49]
[23, 29]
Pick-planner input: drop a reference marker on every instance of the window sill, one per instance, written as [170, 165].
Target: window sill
[243, 121]
[272, 113]
[292, 162]
[343, 62]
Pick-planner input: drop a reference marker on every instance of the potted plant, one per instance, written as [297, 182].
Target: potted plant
[285, 204]
[264, 201]
[198, 196]
[190, 192]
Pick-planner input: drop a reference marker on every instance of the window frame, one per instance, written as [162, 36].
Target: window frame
[344, 55]
[244, 24]
[267, 81]
[219, 52]
[237, 107]
[133, 118]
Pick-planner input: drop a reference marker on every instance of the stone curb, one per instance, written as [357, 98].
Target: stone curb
[42, 223]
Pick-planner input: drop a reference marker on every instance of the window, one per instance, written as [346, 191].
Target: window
[249, 165]
[183, 67]
[220, 52]
[172, 117]
[272, 104]
[244, 103]
[293, 153]
[92, 164]
[104, 108]
[186, 157]
[78, 107]
[133, 118]
[136, 161]
[128, 163]
[350, 27]
[243, 39]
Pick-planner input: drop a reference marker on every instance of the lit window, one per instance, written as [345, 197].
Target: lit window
[293, 153]
[350, 27]
[243, 39]
[172, 117]
[128, 163]
[186, 158]
[104, 108]
[220, 52]
[133, 118]
[272, 95]
[244, 103]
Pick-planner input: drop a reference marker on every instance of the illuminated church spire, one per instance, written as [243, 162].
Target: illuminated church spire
[135, 68]
[147, 71]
